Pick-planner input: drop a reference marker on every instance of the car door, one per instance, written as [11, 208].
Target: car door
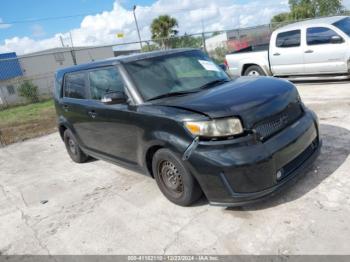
[286, 55]
[75, 105]
[113, 127]
[326, 51]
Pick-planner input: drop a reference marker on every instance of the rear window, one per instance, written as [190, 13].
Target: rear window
[320, 35]
[288, 39]
[74, 86]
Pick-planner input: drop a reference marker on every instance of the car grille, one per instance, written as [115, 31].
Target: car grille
[274, 124]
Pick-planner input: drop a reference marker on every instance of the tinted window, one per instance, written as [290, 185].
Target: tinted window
[75, 86]
[344, 25]
[288, 39]
[319, 35]
[104, 81]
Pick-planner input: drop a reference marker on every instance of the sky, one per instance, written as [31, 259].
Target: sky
[96, 22]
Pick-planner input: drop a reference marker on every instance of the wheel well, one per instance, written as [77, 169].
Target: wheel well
[149, 157]
[246, 66]
[61, 129]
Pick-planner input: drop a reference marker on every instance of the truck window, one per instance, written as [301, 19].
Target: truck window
[288, 39]
[344, 25]
[319, 35]
[74, 86]
[103, 81]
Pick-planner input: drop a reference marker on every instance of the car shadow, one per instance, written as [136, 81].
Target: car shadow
[335, 150]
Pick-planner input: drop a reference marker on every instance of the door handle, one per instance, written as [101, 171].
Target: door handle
[276, 54]
[65, 107]
[92, 113]
[309, 51]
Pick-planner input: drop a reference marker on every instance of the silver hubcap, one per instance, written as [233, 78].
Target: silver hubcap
[253, 73]
[72, 146]
[171, 177]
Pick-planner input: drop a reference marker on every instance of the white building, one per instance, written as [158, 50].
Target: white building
[40, 67]
[216, 41]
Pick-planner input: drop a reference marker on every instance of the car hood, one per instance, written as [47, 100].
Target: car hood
[249, 98]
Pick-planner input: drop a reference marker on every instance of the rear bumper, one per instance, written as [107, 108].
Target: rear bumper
[234, 173]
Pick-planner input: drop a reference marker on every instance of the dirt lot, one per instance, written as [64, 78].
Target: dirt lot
[48, 204]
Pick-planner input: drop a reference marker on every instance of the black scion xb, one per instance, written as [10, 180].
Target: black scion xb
[177, 116]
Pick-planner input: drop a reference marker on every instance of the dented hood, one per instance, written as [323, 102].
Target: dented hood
[249, 98]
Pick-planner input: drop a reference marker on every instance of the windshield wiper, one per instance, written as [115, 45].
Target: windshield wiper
[214, 83]
[171, 94]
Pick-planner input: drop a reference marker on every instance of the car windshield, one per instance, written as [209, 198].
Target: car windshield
[174, 74]
[344, 25]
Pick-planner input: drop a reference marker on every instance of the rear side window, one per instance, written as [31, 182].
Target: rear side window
[103, 81]
[288, 39]
[344, 25]
[320, 35]
[74, 86]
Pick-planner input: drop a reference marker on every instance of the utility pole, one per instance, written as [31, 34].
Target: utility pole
[203, 37]
[137, 26]
[72, 49]
[61, 41]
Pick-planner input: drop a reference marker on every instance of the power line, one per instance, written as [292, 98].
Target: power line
[45, 19]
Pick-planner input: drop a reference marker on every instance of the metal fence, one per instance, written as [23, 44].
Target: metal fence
[37, 78]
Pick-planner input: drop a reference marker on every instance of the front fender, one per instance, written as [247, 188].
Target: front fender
[177, 140]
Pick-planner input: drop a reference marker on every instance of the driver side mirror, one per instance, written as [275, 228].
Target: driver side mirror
[336, 39]
[113, 98]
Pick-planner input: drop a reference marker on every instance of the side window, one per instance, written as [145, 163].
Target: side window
[10, 90]
[288, 39]
[74, 86]
[103, 81]
[320, 36]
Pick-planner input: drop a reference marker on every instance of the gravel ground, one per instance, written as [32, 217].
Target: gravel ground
[50, 205]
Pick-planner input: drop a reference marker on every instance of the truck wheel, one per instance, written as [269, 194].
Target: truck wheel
[174, 180]
[73, 148]
[254, 71]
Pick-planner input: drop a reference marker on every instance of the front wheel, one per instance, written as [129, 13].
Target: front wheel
[173, 179]
[254, 71]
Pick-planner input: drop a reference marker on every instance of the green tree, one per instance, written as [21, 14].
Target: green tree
[163, 28]
[219, 54]
[29, 91]
[282, 17]
[149, 47]
[185, 41]
[303, 9]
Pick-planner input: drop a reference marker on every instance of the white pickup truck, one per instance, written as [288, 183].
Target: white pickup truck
[317, 48]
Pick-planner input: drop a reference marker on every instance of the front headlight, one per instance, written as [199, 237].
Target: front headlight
[216, 128]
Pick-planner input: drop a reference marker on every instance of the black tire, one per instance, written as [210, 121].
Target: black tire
[174, 180]
[254, 70]
[73, 148]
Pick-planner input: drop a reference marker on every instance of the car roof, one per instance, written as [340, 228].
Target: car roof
[121, 59]
[312, 22]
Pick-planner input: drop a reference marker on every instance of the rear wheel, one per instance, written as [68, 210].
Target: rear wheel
[173, 179]
[73, 148]
[254, 71]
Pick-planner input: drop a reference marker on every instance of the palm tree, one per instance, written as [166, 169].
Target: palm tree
[162, 28]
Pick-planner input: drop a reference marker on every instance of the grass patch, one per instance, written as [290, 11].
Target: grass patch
[27, 121]
[26, 113]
